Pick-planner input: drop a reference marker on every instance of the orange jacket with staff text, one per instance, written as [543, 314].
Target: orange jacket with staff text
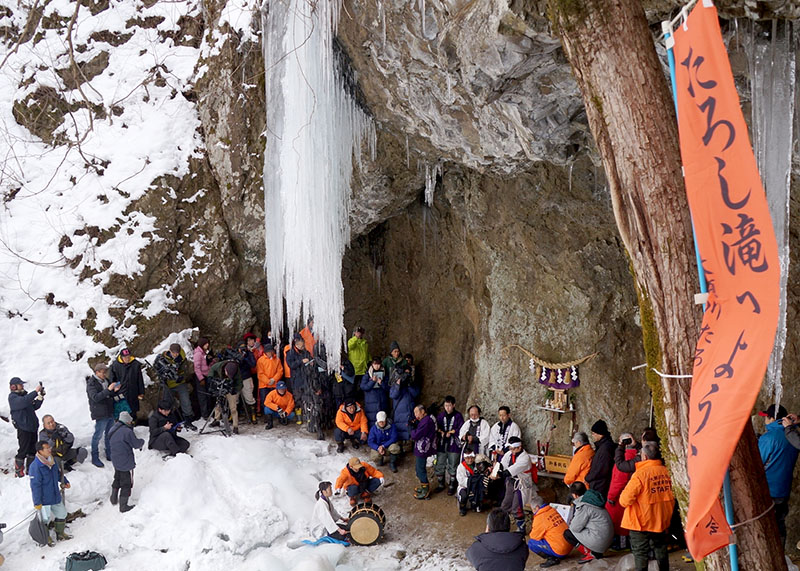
[287, 372]
[358, 422]
[647, 498]
[269, 371]
[346, 478]
[275, 401]
[579, 466]
[548, 524]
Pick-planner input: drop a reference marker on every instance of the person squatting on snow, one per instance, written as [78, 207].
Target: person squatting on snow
[498, 549]
[164, 427]
[501, 432]
[358, 479]
[448, 455]
[279, 404]
[171, 369]
[547, 533]
[127, 371]
[475, 431]
[516, 469]
[23, 406]
[590, 527]
[101, 396]
[470, 476]
[382, 440]
[123, 441]
[47, 482]
[351, 424]
[227, 370]
[581, 462]
[424, 437]
[61, 442]
[326, 521]
[376, 390]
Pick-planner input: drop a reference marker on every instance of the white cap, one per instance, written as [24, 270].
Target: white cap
[380, 417]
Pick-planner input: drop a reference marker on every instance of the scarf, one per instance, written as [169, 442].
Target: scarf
[475, 427]
[360, 475]
[46, 461]
[468, 468]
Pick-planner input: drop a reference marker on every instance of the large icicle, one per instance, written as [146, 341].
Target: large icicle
[314, 128]
[772, 72]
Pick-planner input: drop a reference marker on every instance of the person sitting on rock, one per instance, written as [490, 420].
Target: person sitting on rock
[591, 527]
[351, 424]
[61, 443]
[279, 404]
[164, 427]
[498, 548]
[547, 533]
[326, 521]
[471, 483]
[581, 461]
[382, 440]
[46, 484]
[358, 479]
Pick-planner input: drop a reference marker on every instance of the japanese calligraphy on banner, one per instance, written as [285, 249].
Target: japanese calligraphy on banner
[740, 258]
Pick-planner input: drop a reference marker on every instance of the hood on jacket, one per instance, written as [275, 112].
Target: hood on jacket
[594, 498]
[394, 345]
[500, 541]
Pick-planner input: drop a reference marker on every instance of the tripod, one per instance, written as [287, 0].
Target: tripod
[224, 421]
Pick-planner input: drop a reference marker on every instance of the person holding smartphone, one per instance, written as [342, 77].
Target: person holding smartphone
[376, 390]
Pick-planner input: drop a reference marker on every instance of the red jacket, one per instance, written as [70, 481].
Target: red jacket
[618, 481]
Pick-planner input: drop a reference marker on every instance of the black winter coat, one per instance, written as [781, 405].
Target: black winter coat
[599, 476]
[101, 400]
[156, 423]
[23, 407]
[498, 551]
[130, 377]
[301, 372]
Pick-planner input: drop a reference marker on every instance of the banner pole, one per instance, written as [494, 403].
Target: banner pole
[669, 41]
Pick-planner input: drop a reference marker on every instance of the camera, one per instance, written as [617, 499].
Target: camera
[42, 385]
[627, 441]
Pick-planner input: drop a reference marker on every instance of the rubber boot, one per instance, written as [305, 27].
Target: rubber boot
[424, 492]
[298, 412]
[19, 468]
[451, 489]
[381, 460]
[114, 496]
[268, 422]
[393, 463]
[28, 462]
[438, 484]
[340, 447]
[586, 553]
[123, 504]
[61, 535]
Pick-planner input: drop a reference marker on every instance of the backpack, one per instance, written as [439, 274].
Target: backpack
[85, 561]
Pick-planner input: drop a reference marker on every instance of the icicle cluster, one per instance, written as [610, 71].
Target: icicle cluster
[314, 129]
[772, 72]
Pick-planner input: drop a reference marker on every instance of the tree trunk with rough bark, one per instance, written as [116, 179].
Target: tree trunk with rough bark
[632, 117]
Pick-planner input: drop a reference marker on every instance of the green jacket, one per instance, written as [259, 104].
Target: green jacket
[218, 372]
[358, 353]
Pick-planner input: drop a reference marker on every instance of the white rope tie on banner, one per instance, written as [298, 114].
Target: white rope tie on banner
[666, 376]
[668, 25]
[752, 519]
[637, 367]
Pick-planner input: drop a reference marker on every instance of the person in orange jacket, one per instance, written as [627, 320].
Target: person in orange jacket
[351, 424]
[581, 459]
[358, 479]
[547, 533]
[269, 371]
[279, 403]
[648, 503]
[307, 333]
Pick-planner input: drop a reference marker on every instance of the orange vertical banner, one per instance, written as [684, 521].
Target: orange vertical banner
[740, 258]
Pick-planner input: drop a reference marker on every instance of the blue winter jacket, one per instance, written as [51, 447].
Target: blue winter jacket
[376, 397]
[385, 436]
[123, 441]
[403, 398]
[779, 458]
[22, 407]
[45, 483]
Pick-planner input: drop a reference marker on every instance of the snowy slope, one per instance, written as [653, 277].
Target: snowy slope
[234, 504]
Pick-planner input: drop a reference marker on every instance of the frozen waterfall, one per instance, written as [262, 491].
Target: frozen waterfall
[771, 59]
[314, 129]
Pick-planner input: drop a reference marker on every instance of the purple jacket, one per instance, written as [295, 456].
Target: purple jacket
[424, 437]
[451, 443]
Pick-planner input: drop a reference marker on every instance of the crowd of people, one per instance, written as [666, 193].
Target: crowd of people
[621, 490]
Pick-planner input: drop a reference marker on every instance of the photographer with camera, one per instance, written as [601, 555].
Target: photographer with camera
[279, 403]
[23, 407]
[218, 375]
[163, 431]
[101, 396]
[791, 430]
[779, 458]
[628, 449]
[61, 441]
[171, 368]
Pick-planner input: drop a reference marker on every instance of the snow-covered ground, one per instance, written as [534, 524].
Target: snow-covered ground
[235, 503]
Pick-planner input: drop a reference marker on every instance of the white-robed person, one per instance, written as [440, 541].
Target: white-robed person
[517, 469]
[475, 431]
[326, 521]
